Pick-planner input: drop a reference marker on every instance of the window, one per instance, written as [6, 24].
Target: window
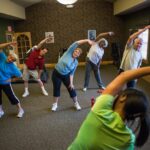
[144, 48]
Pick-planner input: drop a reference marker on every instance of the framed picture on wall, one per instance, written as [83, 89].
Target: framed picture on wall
[92, 34]
[9, 36]
[47, 34]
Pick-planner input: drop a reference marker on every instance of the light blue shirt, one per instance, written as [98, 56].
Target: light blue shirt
[67, 64]
[7, 70]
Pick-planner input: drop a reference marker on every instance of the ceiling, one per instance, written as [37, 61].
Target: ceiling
[27, 3]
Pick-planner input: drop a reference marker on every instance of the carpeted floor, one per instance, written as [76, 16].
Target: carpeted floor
[41, 129]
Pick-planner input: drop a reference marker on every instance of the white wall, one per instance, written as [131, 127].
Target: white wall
[121, 6]
[10, 8]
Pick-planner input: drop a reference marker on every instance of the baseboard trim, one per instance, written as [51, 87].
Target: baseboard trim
[147, 78]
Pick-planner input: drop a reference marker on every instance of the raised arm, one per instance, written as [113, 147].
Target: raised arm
[43, 41]
[80, 42]
[136, 34]
[103, 35]
[6, 44]
[117, 84]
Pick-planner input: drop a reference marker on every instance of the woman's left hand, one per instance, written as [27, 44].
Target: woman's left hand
[71, 86]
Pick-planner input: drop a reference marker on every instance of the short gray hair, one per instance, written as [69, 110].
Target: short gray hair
[103, 40]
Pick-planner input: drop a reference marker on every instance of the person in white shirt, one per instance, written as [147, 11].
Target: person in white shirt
[94, 58]
[132, 56]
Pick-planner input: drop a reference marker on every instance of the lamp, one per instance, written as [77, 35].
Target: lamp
[68, 3]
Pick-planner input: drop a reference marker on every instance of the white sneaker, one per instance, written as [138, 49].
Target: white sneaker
[54, 107]
[44, 92]
[102, 88]
[25, 94]
[77, 106]
[20, 114]
[85, 89]
[1, 113]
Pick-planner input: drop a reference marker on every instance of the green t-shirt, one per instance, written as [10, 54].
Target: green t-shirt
[103, 129]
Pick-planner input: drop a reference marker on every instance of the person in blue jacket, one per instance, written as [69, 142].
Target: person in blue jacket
[8, 70]
[64, 72]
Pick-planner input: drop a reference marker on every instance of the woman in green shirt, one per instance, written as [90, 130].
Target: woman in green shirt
[105, 127]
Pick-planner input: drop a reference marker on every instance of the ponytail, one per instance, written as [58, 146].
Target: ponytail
[144, 131]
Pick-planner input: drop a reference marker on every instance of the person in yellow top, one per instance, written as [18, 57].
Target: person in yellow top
[105, 127]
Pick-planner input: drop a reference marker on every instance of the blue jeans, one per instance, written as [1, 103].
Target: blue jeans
[130, 84]
[57, 79]
[90, 66]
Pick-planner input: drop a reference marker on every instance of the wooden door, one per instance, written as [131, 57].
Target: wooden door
[23, 45]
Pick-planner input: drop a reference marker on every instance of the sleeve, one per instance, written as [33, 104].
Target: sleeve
[103, 102]
[128, 46]
[71, 48]
[2, 56]
[15, 71]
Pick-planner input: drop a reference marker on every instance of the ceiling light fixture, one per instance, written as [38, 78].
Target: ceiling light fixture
[68, 3]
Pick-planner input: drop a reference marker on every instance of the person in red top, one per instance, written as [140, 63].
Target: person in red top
[34, 66]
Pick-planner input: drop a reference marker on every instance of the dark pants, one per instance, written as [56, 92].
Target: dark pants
[130, 84]
[90, 66]
[57, 78]
[7, 88]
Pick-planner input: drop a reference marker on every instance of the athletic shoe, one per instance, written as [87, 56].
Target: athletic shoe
[102, 88]
[20, 114]
[77, 106]
[54, 107]
[1, 113]
[44, 92]
[25, 94]
[84, 89]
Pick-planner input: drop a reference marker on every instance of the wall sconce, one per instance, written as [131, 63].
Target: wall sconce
[68, 3]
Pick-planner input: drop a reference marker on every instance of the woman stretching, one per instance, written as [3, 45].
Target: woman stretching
[105, 127]
[64, 72]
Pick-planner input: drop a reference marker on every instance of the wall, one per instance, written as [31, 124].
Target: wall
[121, 6]
[11, 9]
[3, 28]
[70, 25]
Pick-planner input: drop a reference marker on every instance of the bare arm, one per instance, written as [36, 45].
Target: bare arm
[117, 84]
[71, 86]
[43, 41]
[39, 73]
[7, 44]
[103, 35]
[135, 35]
[80, 42]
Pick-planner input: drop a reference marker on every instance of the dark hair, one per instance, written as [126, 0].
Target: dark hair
[136, 106]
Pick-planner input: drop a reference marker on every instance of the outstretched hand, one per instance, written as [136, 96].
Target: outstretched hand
[111, 33]
[49, 38]
[147, 27]
[13, 43]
